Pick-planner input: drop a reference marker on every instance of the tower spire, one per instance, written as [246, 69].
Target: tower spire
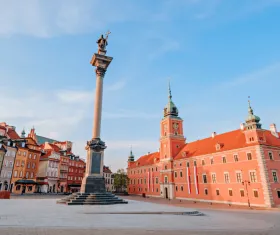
[253, 121]
[169, 91]
[250, 110]
[170, 109]
[131, 156]
[23, 133]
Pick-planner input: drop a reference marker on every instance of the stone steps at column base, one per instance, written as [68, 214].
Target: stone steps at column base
[96, 203]
[91, 199]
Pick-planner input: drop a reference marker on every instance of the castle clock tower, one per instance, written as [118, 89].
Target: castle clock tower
[171, 142]
[171, 131]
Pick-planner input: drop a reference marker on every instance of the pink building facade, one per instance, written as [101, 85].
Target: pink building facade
[239, 167]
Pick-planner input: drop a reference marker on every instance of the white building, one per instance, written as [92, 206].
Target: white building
[48, 173]
[109, 180]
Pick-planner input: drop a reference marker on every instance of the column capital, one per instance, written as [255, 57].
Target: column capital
[96, 144]
[100, 71]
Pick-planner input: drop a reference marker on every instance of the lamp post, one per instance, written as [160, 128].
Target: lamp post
[246, 183]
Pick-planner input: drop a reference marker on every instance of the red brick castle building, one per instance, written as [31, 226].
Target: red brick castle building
[238, 167]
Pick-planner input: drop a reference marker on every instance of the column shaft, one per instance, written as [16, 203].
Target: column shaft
[98, 105]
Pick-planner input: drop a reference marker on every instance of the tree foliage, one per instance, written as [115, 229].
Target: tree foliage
[121, 180]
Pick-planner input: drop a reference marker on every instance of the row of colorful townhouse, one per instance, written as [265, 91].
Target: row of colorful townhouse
[37, 164]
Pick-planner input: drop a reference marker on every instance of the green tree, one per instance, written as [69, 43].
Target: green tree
[121, 180]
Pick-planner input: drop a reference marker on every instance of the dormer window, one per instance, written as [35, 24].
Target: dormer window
[218, 146]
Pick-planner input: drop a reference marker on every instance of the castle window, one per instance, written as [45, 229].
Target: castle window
[165, 167]
[242, 194]
[275, 177]
[217, 192]
[256, 193]
[224, 160]
[181, 174]
[249, 156]
[182, 188]
[212, 161]
[188, 164]
[202, 162]
[230, 192]
[226, 176]
[238, 177]
[194, 163]
[176, 188]
[253, 176]
[175, 174]
[165, 179]
[204, 178]
[270, 154]
[206, 191]
[235, 156]
[214, 179]
[156, 180]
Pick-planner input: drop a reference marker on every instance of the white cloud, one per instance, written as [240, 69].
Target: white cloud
[52, 18]
[267, 73]
[116, 86]
[73, 96]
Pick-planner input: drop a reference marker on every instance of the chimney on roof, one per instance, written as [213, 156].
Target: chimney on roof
[214, 134]
[273, 130]
[242, 126]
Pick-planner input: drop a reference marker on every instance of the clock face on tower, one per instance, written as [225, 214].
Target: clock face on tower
[175, 126]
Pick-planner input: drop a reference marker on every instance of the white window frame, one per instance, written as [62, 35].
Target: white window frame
[255, 175]
[247, 156]
[226, 172]
[236, 172]
[212, 178]
[274, 171]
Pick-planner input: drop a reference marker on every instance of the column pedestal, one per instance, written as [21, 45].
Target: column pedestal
[94, 182]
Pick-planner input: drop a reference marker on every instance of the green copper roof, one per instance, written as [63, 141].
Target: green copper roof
[42, 140]
[251, 117]
[170, 109]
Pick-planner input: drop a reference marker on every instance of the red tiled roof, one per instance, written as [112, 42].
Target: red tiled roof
[228, 141]
[12, 134]
[271, 139]
[106, 169]
[148, 159]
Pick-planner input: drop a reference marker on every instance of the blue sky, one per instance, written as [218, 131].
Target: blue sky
[215, 52]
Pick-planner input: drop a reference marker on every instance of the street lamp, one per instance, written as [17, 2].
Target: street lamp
[246, 183]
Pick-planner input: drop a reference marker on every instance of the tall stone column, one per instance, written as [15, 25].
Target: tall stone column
[93, 182]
